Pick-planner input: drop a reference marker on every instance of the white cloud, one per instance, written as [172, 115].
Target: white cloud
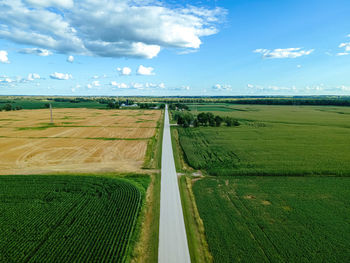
[346, 47]
[155, 86]
[4, 57]
[33, 76]
[283, 53]
[125, 71]
[51, 3]
[299, 66]
[145, 71]
[138, 86]
[94, 84]
[119, 85]
[109, 28]
[6, 80]
[70, 59]
[61, 76]
[36, 51]
[220, 87]
[270, 88]
[344, 88]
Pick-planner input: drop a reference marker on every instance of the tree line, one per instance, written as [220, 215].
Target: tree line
[9, 107]
[187, 119]
[261, 100]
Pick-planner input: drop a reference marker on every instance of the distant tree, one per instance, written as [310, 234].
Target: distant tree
[231, 122]
[195, 123]
[111, 105]
[184, 119]
[162, 106]
[211, 119]
[18, 108]
[8, 107]
[218, 121]
[47, 105]
[228, 121]
[202, 118]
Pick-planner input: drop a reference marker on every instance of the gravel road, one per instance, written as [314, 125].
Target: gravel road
[172, 233]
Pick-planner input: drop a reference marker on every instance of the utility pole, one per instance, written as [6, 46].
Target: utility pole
[51, 113]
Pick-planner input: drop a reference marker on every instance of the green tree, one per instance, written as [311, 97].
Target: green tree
[218, 121]
[202, 118]
[8, 107]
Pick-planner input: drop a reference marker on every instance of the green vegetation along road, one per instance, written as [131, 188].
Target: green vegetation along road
[68, 218]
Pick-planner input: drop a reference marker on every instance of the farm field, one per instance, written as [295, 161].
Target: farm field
[68, 218]
[272, 140]
[80, 140]
[276, 219]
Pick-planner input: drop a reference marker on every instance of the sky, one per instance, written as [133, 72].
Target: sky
[174, 48]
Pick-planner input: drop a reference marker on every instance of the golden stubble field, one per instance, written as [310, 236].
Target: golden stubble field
[80, 140]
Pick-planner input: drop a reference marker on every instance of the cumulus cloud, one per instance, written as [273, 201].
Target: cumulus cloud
[283, 52]
[109, 28]
[346, 47]
[70, 59]
[182, 88]
[220, 87]
[155, 86]
[138, 86]
[94, 84]
[36, 51]
[33, 76]
[270, 88]
[61, 76]
[125, 71]
[6, 80]
[145, 71]
[4, 57]
[51, 3]
[344, 88]
[119, 85]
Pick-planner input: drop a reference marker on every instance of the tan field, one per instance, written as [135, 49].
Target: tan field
[80, 140]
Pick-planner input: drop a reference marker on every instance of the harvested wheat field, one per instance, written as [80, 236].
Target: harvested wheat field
[79, 140]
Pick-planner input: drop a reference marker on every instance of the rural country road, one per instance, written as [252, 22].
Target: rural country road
[172, 233]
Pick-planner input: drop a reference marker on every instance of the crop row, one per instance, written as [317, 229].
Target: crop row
[66, 219]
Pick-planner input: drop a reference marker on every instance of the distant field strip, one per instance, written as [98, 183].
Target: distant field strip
[94, 140]
[276, 219]
[66, 218]
[273, 140]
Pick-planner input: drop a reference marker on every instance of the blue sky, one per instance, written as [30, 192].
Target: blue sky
[223, 47]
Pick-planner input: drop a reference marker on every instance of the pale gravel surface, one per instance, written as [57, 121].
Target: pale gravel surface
[173, 245]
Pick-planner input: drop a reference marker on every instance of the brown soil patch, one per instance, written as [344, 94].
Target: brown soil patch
[25, 149]
[249, 197]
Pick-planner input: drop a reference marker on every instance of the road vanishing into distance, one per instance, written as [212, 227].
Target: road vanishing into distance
[172, 233]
